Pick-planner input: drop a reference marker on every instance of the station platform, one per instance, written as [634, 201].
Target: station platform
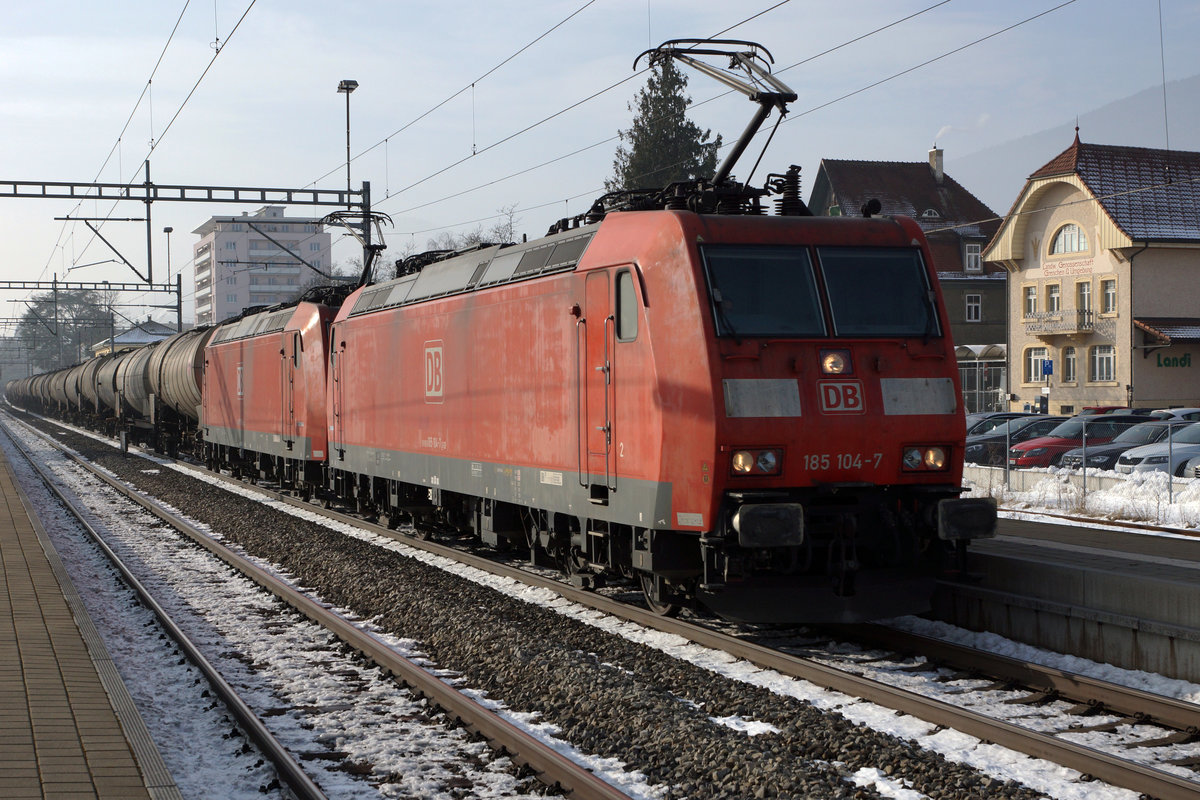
[1127, 598]
[68, 727]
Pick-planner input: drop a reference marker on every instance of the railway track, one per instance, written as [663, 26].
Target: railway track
[297, 780]
[1043, 685]
[556, 771]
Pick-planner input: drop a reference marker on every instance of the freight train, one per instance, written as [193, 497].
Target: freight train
[754, 414]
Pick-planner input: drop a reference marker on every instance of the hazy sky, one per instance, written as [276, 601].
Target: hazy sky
[267, 112]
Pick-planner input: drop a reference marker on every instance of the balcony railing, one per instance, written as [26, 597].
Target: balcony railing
[1060, 322]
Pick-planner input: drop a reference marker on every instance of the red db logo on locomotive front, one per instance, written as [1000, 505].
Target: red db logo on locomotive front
[433, 372]
[841, 397]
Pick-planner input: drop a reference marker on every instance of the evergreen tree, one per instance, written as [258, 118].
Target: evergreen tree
[662, 145]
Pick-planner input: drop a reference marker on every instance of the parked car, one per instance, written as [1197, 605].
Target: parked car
[1164, 456]
[990, 448]
[1091, 411]
[983, 421]
[1177, 413]
[1048, 450]
[1104, 456]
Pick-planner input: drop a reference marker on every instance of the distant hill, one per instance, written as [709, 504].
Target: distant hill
[996, 174]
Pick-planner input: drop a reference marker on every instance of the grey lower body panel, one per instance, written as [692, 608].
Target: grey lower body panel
[272, 444]
[645, 504]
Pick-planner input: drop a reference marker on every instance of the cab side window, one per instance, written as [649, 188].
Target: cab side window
[627, 307]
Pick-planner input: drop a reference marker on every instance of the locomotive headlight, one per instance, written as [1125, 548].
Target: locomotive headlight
[924, 458]
[756, 462]
[835, 362]
[935, 458]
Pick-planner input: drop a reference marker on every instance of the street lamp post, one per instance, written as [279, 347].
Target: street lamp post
[346, 87]
[167, 230]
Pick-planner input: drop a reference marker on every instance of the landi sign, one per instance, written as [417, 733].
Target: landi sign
[1184, 360]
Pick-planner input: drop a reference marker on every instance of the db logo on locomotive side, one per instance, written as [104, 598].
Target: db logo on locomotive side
[841, 397]
[433, 371]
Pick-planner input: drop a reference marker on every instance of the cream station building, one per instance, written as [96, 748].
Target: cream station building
[1102, 247]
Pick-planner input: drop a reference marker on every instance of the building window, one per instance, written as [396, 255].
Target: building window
[1034, 357]
[231, 245]
[973, 260]
[1083, 296]
[1109, 291]
[1068, 365]
[1053, 298]
[1103, 363]
[974, 308]
[1070, 238]
[314, 247]
[231, 298]
[231, 280]
[1030, 301]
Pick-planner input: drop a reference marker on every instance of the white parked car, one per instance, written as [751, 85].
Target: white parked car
[1176, 413]
[1164, 456]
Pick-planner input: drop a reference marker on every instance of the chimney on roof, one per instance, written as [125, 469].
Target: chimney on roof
[935, 163]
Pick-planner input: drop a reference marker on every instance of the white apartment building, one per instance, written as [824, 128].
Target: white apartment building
[256, 259]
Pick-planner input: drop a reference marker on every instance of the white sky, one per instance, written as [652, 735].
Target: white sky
[267, 112]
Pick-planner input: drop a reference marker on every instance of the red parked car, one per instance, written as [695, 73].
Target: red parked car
[1048, 450]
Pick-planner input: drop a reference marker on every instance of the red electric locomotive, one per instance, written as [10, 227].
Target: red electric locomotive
[755, 414]
[263, 412]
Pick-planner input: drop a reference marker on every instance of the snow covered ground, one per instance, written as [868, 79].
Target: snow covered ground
[1146, 497]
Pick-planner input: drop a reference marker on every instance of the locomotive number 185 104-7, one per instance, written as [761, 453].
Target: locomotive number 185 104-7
[822, 461]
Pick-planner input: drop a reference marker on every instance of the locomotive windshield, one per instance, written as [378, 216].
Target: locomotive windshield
[773, 291]
[878, 291]
[763, 291]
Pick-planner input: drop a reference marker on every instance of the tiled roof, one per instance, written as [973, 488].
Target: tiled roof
[909, 189]
[1169, 329]
[1150, 194]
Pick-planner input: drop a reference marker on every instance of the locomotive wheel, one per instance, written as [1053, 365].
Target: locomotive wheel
[653, 602]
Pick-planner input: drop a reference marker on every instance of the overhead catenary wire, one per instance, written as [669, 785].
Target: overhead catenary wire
[565, 110]
[792, 117]
[470, 86]
[614, 138]
[116, 148]
[154, 144]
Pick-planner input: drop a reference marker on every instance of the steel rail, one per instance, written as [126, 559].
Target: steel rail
[1123, 700]
[552, 768]
[288, 768]
[1089, 761]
